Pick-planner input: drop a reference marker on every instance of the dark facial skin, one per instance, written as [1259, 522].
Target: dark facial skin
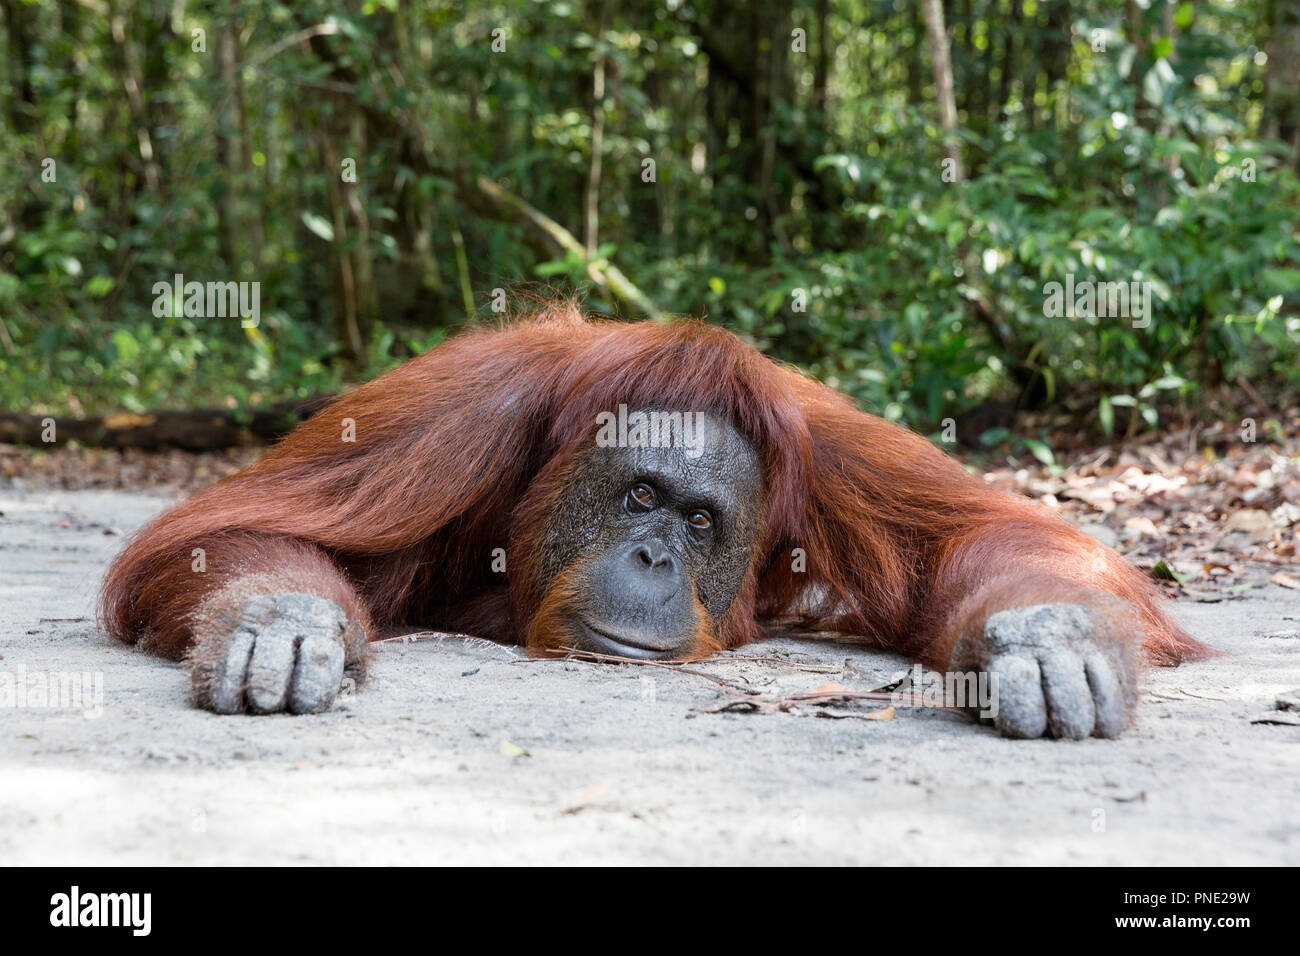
[651, 531]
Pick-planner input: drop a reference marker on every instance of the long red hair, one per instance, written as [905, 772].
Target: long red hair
[463, 449]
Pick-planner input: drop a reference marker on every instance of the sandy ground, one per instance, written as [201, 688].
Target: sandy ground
[456, 752]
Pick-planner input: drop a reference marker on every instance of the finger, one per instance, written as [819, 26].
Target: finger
[1070, 712]
[271, 666]
[1107, 696]
[1018, 692]
[317, 673]
[221, 687]
[220, 664]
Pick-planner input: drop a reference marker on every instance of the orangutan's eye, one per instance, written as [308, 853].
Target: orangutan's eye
[700, 521]
[640, 498]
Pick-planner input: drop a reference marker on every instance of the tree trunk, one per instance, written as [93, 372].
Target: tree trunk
[943, 92]
[20, 28]
[224, 41]
[591, 217]
[24, 117]
[1282, 76]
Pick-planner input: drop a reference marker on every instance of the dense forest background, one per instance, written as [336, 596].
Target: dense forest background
[877, 190]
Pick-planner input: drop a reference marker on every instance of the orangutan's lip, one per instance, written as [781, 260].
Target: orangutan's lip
[607, 643]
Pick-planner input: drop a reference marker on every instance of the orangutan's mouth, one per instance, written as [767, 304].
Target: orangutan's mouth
[602, 640]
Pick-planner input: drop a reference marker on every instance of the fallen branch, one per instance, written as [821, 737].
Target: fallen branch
[201, 430]
[550, 238]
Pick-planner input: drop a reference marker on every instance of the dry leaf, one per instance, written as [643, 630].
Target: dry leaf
[1250, 520]
[1144, 526]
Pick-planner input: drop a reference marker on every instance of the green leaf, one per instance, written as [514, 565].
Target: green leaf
[1282, 280]
[128, 349]
[99, 286]
[318, 225]
[1040, 451]
[1106, 415]
[513, 751]
[1163, 571]
[1158, 81]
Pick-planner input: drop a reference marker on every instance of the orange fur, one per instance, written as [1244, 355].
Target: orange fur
[463, 450]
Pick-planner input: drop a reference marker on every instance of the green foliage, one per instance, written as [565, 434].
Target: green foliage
[827, 236]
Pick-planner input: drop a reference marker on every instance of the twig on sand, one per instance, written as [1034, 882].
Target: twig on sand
[572, 653]
[738, 696]
[806, 668]
[751, 698]
[417, 637]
